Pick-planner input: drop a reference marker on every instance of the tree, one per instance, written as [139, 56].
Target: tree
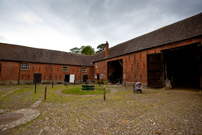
[87, 50]
[100, 48]
[75, 50]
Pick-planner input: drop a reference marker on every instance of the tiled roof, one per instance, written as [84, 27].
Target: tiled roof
[28, 54]
[185, 29]
[182, 30]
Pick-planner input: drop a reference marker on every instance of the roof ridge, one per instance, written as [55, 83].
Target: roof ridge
[158, 29]
[43, 49]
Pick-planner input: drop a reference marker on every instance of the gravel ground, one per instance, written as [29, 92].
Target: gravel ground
[156, 111]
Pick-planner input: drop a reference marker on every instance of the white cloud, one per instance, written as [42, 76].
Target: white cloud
[30, 17]
[64, 24]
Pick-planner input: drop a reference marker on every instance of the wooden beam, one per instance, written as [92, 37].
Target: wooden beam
[121, 63]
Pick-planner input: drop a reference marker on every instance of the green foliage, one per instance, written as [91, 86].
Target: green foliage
[100, 82]
[105, 83]
[76, 50]
[77, 91]
[88, 50]
[83, 50]
[100, 48]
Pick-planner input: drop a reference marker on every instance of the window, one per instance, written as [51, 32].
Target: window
[65, 69]
[24, 66]
[96, 65]
[84, 69]
[0, 68]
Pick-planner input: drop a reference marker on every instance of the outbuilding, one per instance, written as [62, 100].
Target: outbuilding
[167, 57]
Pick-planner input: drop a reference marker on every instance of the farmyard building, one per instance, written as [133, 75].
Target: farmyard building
[171, 54]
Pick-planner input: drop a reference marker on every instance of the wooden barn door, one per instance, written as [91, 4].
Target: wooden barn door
[37, 78]
[155, 70]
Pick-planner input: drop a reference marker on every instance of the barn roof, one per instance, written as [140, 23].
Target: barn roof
[182, 30]
[185, 29]
[28, 54]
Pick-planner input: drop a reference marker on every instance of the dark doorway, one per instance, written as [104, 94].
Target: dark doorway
[182, 66]
[115, 71]
[155, 70]
[66, 78]
[85, 78]
[37, 78]
[98, 77]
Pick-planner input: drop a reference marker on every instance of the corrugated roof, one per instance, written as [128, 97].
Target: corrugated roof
[185, 29]
[28, 54]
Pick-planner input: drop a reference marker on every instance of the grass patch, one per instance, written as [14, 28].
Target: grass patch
[21, 98]
[77, 91]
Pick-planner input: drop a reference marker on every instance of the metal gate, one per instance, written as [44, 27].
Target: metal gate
[155, 70]
[37, 78]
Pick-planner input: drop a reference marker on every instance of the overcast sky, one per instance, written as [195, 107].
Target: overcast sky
[64, 24]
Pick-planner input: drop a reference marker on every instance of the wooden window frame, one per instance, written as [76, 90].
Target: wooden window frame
[24, 66]
[96, 65]
[84, 69]
[65, 68]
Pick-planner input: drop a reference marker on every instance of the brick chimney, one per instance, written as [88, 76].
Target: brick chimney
[106, 49]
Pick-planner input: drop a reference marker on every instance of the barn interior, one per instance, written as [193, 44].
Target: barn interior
[182, 66]
[115, 71]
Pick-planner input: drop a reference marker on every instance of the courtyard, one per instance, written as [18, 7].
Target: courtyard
[155, 111]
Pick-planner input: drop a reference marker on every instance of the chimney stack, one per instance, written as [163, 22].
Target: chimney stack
[106, 49]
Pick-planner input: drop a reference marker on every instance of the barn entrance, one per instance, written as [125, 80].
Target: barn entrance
[67, 78]
[85, 78]
[181, 66]
[37, 78]
[115, 71]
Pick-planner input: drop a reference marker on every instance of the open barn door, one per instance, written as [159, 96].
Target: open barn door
[155, 70]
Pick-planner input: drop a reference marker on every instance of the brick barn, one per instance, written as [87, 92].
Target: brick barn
[171, 55]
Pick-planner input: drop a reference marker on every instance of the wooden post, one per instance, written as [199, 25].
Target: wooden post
[125, 84]
[35, 88]
[45, 92]
[52, 84]
[104, 94]
[134, 88]
[99, 82]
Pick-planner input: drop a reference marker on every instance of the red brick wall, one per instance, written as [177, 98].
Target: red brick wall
[134, 67]
[9, 71]
[49, 72]
[135, 64]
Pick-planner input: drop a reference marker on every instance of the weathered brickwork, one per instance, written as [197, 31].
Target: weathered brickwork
[134, 67]
[10, 72]
[135, 64]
